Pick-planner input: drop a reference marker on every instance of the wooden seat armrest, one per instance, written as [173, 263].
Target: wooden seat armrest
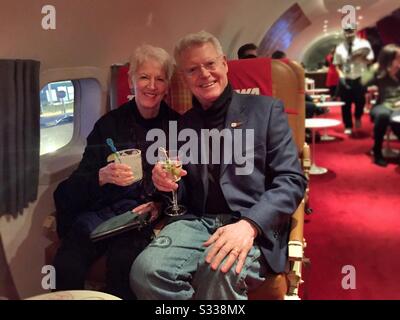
[297, 224]
[296, 247]
[295, 244]
[306, 159]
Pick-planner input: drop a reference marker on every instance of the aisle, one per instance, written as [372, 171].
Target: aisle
[356, 220]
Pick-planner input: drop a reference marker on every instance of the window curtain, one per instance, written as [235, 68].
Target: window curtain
[19, 134]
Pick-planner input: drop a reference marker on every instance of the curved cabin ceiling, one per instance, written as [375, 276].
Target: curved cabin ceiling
[102, 32]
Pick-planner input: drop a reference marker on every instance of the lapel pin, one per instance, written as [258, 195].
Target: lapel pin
[236, 124]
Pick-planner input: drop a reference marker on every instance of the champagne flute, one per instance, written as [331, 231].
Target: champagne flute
[172, 164]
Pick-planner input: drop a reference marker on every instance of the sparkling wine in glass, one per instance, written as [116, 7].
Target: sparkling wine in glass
[172, 164]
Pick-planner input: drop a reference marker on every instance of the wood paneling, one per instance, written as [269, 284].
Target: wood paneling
[282, 32]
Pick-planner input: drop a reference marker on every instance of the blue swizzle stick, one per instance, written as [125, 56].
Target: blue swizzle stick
[110, 143]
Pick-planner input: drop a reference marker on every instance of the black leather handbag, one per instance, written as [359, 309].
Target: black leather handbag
[119, 224]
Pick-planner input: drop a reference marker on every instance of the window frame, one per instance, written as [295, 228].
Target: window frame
[90, 102]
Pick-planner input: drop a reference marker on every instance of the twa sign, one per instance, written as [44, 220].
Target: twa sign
[255, 91]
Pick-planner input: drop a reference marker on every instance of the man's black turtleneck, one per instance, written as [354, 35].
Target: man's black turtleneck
[214, 118]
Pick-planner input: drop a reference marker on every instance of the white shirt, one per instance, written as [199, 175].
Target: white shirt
[352, 69]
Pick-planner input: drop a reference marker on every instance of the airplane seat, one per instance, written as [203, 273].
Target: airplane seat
[283, 80]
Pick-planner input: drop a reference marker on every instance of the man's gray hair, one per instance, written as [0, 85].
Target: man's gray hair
[196, 39]
[145, 52]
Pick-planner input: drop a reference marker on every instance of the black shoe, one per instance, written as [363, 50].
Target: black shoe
[380, 161]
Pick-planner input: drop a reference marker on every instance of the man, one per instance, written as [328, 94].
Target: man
[247, 51]
[352, 58]
[236, 228]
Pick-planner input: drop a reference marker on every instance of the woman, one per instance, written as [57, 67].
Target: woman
[332, 76]
[109, 187]
[386, 76]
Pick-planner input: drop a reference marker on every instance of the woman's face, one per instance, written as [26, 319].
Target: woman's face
[396, 62]
[150, 84]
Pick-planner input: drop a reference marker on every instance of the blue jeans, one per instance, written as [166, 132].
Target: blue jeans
[173, 265]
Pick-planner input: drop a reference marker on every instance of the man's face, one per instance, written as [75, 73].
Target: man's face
[205, 72]
[349, 35]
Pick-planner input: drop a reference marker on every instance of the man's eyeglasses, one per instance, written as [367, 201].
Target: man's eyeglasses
[210, 65]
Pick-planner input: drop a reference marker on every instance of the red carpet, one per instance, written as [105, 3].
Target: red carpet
[355, 220]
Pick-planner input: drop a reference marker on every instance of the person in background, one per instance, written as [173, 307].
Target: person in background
[247, 51]
[352, 57]
[109, 187]
[385, 74]
[332, 76]
[236, 228]
[278, 54]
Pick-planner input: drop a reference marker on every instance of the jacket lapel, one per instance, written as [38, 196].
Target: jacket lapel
[235, 119]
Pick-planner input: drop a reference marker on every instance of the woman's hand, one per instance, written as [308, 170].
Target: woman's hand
[116, 173]
[154, 208]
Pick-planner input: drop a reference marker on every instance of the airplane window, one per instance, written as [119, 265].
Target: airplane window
[56, 115]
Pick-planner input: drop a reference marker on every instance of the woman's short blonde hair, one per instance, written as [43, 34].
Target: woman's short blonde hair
[146, 52]
[196, 39]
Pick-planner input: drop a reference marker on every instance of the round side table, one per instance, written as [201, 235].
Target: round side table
[75, 295]
[396, 118]
[317, 90]
[313, 124]
[329, 104]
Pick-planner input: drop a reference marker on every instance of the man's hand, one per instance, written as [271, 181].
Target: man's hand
[233, 240]
[116, 173]
[163, 180]
[152, 207]
[360, 58]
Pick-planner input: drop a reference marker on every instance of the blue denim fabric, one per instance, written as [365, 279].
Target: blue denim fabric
[173, 266]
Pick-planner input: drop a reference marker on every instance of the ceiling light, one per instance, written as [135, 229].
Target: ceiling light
[360, 17]
[358, 8]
